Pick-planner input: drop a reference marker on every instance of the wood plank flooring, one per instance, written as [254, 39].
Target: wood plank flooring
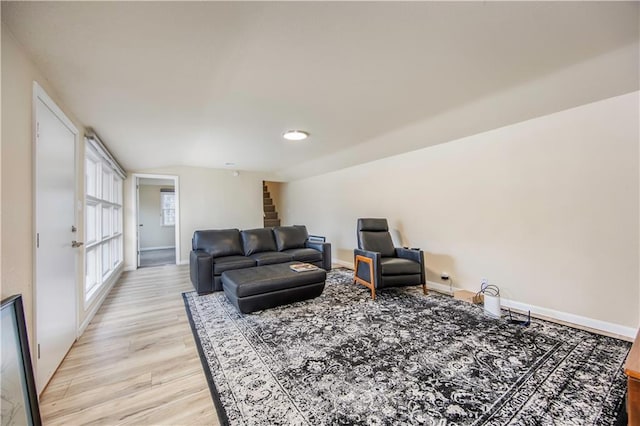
[157, 257]
[136, 363]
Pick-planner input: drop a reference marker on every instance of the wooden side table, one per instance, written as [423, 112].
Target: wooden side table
[632, 370]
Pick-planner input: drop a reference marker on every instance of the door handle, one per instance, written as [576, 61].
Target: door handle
[75, 243]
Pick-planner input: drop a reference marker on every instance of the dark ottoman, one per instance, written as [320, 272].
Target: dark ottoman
[263, 287]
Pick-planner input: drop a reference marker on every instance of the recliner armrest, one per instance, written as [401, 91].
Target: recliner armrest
[366, 253]
[377, 269]
[325, 249]
[416, 256]
[201, 270]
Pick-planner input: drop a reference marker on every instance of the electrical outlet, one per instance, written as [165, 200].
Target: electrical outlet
[483, 282]
[444, 276]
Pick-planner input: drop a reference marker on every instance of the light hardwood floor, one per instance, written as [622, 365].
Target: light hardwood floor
[137, 362]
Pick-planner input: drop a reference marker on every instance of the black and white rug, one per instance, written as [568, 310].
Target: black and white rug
[404, 358]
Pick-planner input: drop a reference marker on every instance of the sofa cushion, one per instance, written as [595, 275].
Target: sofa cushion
[268, 279]
[290, 237]
[257, 240]
[270, 257]
[218, 242]
[305, 254]
[221, 264]
[398, 266]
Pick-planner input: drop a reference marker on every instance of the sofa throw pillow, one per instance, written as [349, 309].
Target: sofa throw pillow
[218, 242]
[257, 240]
[290, 237]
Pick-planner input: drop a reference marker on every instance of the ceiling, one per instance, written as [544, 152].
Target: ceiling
[210, 83]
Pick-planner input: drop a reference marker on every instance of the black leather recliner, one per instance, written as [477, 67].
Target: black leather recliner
[378, 264]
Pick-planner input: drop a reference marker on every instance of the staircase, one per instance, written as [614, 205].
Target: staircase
[270, 213]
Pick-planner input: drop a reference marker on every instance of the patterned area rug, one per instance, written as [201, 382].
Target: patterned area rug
[405, 358]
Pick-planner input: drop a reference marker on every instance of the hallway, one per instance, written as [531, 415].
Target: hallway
[157, 257]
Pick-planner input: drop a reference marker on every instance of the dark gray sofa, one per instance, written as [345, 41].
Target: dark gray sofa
[215, 251]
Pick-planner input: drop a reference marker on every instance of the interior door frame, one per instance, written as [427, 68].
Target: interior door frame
[39, 94]
[176, 188]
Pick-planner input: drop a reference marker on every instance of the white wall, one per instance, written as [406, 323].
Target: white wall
[153, 234]
[18, 75]
[547, 209]
[209, 199]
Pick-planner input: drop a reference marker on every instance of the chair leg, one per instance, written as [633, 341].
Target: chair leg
[356, 279]
[424, 288]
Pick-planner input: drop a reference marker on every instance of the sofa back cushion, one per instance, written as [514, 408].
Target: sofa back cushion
[257, 240]
[290, 237]
[218, 242]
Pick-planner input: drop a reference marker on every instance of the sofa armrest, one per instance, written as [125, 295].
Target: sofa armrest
[201, 269]
[416, 256]
[325, 249]
[363, 271]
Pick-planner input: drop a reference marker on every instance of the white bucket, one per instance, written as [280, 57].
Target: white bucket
[492, 305]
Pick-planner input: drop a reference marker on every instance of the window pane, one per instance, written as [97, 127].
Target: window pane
[91, 269]
[91, 176]
[168, 200]
[107, 185]
[120, 249]
[115, 252]
[106, 258]
[91, 214]
[168, 205]
[106, 221]
[117, 190]
[168, 217]
[117, 226]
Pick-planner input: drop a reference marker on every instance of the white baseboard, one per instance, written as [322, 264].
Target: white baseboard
[598, 325]
[595, 324]
[441, 288]
[130, 268]
[157, 248]
[342, 263]
[552, 314]
[183, 262]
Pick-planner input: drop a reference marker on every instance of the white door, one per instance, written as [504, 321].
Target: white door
[138, 224]
[55, 288]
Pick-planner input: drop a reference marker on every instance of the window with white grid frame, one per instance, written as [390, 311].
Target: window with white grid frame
[103, 219]
[168, 206]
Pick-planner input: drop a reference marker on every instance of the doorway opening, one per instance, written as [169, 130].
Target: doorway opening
[157, 214]
[270, 201]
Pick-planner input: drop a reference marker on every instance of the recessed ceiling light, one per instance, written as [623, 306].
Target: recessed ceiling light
[295, 135]
[229, 164]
